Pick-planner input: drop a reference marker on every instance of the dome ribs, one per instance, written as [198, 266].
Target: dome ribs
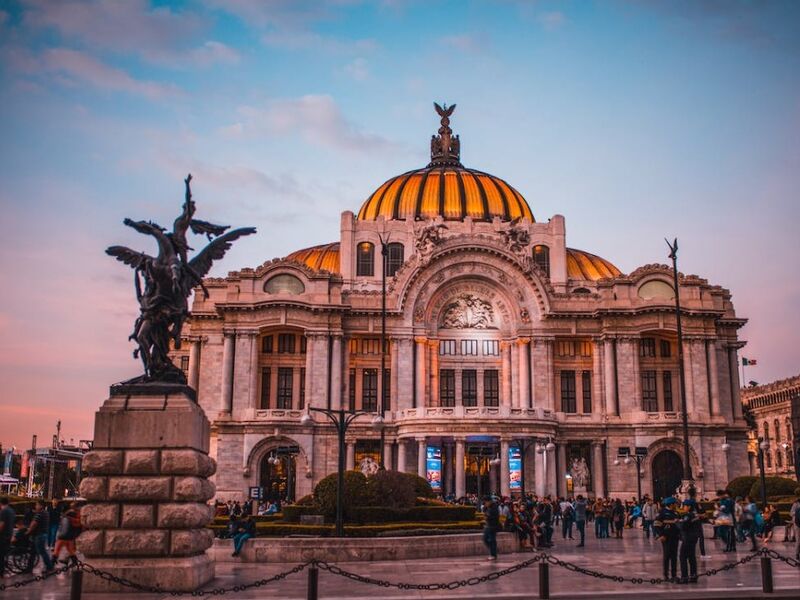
[484, 199]
[441, 192]
[462, 193]
[420, 194]
[399, 195]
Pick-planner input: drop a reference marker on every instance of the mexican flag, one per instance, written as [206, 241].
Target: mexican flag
[749, 362]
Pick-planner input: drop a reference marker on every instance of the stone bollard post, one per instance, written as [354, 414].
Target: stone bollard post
[147, 489]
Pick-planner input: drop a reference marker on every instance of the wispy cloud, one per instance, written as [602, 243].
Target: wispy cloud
[74, 67]
[310, 40]
[472, 43]
[357, 69]
[316, 118]
[552, 20]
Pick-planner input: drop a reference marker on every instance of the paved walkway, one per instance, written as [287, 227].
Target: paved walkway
[634, 556]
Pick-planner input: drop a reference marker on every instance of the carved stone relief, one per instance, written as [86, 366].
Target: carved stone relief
[468, 312]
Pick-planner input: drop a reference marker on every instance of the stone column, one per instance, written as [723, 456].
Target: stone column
[524, 374]
[447, 468]
[147, 490]
[551, 375]
[434, 378]
[687, 370]
[505, 375]
[713, 368]
[505, 476]
[422, 348]
[610, 378]
[345, 384]
[309, 369]
[636, 403]
[394, 362]
[598, 468]
[515, 391]
[461, 487]
[194, 364]
[228, 350]
[540, 367]
[336, 372]
[401, 455]
[561, 468]
[551, 473]
[387, 455]
[598, 395]
[539, 473]
[733, 365]
[350, 456]
[254, 370]
[403, 373]
[422, 471]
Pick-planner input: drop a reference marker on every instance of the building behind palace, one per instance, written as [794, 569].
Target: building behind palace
[774, 407]
[502, 342]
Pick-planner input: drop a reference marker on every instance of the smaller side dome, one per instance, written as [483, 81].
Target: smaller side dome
[587, 266]
[324, 257]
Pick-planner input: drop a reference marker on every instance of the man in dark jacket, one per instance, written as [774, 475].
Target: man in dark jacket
[245, 530]
[492, 515]
[8, 518]
[690, 527]
[666, 528]
[38, 530]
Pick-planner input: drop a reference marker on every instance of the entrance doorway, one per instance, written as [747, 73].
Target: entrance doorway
[667, 469]
[477, 468]
[278, 474]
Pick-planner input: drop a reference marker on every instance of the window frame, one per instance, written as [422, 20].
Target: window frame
[447, 387]
[568, 391]
[365, 259]
[491, 387]
[469, 387]
[283, 397]
[393, 263]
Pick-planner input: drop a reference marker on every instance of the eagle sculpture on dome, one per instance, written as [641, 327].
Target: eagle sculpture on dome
[444, 112]
[445, 147]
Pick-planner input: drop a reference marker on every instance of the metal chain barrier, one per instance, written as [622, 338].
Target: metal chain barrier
[792, 562]
[451, 585]
[35, 578]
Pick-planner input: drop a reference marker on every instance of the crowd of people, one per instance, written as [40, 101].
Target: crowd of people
[47, 530]
[677, 525]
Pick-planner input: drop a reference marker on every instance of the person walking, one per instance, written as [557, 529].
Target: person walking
[794, 522]
[492, 523]
[38, 530]
[68, 531]
[245, 530]
[749, 517]
[618, 517]
[649, 513]
[580, 518]
[666, 527]
[54, 518]
[726, 520]
[567, 518]
[8, 519]
[690, 531]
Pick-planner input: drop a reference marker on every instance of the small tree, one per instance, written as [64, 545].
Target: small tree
[740, 486]
[355, 492]
[390, 489]
[776, 486]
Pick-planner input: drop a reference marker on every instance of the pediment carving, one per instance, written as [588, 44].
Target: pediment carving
[468, 311]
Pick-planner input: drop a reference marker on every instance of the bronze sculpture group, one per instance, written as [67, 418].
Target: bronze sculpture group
[164, 283]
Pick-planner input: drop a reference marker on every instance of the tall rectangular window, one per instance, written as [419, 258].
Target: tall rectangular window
[394, 258]
[568, 400]
[302, 387]
[266, 344]
[647, 347]
[286, 343]
[469, 387]
[447, 347]
[365, 259]
[469, 347]
[387, 388]
[184, 363]
[667, 375]
[351, 392]
[491, 348]
[285, 377]
[491, 388]
[266, 383]
[447, 387]
[649, 393]
[586, 391]
[369, 390]
[666, 349]
[303, 344]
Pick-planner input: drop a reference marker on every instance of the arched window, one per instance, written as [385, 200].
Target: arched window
[541, 256]
[365, 259]
[768, 457]
[766, 430]
[777, 431]
[788, 430]
[779, 459]
[284, 284]
[394, 258]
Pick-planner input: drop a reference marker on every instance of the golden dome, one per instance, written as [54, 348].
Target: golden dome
[445, 188]
[580, 264]
[324, 257]
[452, 192]
[583, 265]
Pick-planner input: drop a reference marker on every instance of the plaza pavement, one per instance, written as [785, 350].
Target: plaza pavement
[633, 556]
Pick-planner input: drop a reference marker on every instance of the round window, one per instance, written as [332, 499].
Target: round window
[284, 284]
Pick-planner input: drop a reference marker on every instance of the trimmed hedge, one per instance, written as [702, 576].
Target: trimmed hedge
[293, 512]
[740, 486]
[776, 486]
[381, 514]
[355, 493]
[283, 529]
[391, 489]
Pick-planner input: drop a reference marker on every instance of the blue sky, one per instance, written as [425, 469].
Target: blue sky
[635, 119]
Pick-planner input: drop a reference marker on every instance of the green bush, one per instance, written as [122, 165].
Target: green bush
[307, 500]
[285, 529]
[355, 493]
[422, 488]
[740, 486]
[390, 489]
[776, 486]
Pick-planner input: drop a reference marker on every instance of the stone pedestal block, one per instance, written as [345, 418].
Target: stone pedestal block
[147, 487]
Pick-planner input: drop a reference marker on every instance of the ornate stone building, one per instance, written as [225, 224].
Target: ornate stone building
[511, 358]
[773, 407]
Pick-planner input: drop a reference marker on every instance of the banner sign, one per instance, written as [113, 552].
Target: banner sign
[515, 468]
[434, 467]
[9, 458]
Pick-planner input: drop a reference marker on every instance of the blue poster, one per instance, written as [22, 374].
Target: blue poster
[514, 468]
[434, 467]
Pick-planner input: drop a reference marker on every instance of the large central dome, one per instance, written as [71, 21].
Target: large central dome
[445, 188]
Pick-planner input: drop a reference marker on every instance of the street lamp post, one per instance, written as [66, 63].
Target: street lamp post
[627, 458]
[384, 258]
[763, 446]
[687, 470]
[341, 419]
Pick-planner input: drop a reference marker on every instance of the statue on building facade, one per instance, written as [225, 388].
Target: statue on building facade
[579, 471]
[164, 283]
[368, 466]
[427, 238]
[468, 312]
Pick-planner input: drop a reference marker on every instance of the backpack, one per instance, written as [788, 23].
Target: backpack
[567, 512]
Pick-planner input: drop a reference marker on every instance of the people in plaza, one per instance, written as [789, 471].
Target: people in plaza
[245, 529]
[772, 519]
[666, 527]
[690, 533]
[54, 518]
[39, 530]
[8, 519]
[649, 513]
[618, 517]
[567, 517]
[750, 516]
[69, 528]
[491, 513]
[600, 519]
[725, 520]
[580, 518]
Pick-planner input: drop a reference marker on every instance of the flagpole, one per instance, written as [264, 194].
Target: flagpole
[744, 381]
